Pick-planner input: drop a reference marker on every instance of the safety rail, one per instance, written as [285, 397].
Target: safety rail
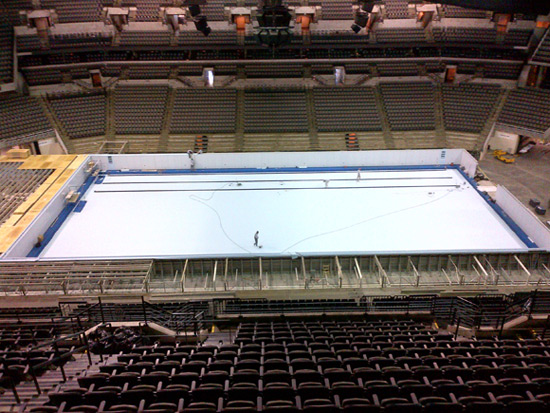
[180, 321]
[482, 311]
[187, 318]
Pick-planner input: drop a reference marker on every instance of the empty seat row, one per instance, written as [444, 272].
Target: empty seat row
[467, 107]
[204, 111]
[527, 108]
[21, 115]
[140, 109]
[409, 106]
[81, 116]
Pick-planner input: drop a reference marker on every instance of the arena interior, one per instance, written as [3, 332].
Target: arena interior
[279, 206]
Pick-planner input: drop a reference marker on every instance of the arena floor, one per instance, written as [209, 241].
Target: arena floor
[298, 213]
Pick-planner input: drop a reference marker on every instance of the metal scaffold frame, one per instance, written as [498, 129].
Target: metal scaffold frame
[229, 276]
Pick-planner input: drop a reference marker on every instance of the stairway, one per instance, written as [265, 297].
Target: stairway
[110, 126]
[440, 137]
[239, 122]
[55, 122]
[201, 143]
[116, 39]
[312, 121]
[214, 339]
[484, 134]
[167, 121]
[388, 138]
[352, 144]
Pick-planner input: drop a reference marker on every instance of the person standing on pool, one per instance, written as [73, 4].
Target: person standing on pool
[256, 238]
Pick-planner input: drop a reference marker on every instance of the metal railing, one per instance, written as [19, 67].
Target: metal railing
[186, 319]
[474, 312]
[58, 358]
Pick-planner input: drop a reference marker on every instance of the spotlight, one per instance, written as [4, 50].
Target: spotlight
[339, 75]
[274, 23]
[202, 25]
[208, 76]
[363, 16]
[195, 10]
[360, 21]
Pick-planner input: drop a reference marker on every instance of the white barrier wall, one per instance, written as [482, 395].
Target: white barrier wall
[527, 220]
[289, 159]
[469, 163]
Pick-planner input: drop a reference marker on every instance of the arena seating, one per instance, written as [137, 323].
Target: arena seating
[141, 38]
[32, 348]
[468, 68]
[323, 36]
[269, 110]
[204, 111]
[464, 35]
[398, 69]
[400, 35]
[28, 43]
[190, 70]
[111, 71]
[6, 53]
[21, 115]
[543, 52]
[79, 73]
[214, 9]
[22, 313]
[337, 9]
[270, 71]
[349, 109]
[225, 69]
[217, 37]
[70, 11]
[321, 366]
[139, 109]
[12, 8]
[253, 307]
[80, 40]
[527, 108]
[502, 70]
[409, 106]
[43, 76]
[147, 10]
[148, 72]
[397, 9]
[435, 67]
[518, 37]
[466, 107]
[460, 12]
[81, 116]
[15, 336]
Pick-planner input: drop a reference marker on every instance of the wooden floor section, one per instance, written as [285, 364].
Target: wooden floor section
[63, 166]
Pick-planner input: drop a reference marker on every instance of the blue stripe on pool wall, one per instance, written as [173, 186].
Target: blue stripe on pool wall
[505, 217]
[80, 206]
[54, 227]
